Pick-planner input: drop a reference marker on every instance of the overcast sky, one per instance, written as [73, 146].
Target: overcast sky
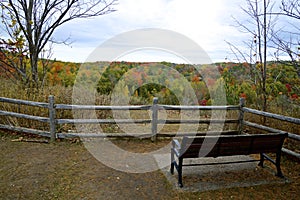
[208, 23]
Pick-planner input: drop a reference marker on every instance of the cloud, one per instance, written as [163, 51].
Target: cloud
[208, 23]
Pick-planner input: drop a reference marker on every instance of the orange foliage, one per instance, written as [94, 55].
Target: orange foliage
[243, 95]
[195, 79]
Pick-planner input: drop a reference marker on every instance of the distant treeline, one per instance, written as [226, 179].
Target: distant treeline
[165, 80]
[168, 81]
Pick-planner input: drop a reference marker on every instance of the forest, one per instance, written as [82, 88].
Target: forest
[143, 81]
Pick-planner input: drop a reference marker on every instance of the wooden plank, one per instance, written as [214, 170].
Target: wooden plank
[52, 122]
[200, 121]
[207, 133]
[99, 107]
[70, 135]
[190, 107]
[103, 121]
[25, 130]
[154, 120]
[220, 163]
[241, 115]
[272, 115]
[23, 102]
[273, 130]
[231, 145]
[141, 121]
[24, 116]
[291, 153]
[103, 135]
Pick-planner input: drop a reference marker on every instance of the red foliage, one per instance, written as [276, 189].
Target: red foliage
[294, 97]
[5, 69]
[243, 95]
[288, 87]
[203, 102]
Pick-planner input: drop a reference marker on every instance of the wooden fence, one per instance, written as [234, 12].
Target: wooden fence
[53, 121]
[282, 118]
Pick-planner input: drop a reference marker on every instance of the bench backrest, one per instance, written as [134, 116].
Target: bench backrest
[214, 146]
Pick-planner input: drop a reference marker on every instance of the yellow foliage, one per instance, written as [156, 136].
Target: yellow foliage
[259, 66]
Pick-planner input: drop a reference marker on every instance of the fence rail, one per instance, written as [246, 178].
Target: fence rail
[272, 115]
[24, 116]
[90, 107]
[24, 102]
[53, 121]
[270, 129]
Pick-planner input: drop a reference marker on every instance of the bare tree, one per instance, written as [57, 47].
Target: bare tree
[259, 26]
[291, 8]
[287, 39]
[31, 23]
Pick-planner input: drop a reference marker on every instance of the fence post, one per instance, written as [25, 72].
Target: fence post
[241, 115]
[154, 119]
[52, 122]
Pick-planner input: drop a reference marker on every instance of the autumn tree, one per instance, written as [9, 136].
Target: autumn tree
[30, 24]
[13, 54]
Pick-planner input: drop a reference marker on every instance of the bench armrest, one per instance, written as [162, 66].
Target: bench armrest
[176, 147]
[176, 144]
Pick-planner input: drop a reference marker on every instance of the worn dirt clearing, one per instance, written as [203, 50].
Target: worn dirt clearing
[66, 170]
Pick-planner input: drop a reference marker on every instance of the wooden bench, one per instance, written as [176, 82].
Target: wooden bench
[216, 146]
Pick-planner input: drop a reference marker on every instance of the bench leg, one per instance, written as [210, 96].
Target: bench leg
[172, 168]
[172, 162]
[278, 159]
[262, 159]
[180, 160]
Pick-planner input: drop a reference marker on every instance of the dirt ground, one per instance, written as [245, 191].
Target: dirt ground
[66, 170]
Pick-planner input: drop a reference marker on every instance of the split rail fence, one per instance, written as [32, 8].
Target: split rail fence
[53, 121]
